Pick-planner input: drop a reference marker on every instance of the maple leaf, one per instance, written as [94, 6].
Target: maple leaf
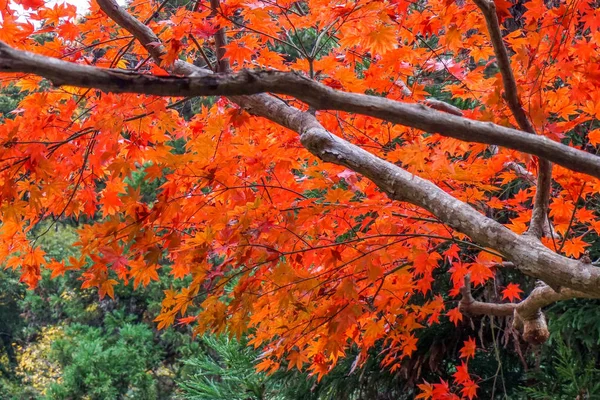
[594, 136]
[238, 53]
[462, 373]
[165, 319]
[480, 273]
[426, 391]
[452, 252]
[469, 389]
[59, 11]
[319, 367]
[592, 20]
[186, 320]
[68, 30]
[204, 29]
[503, 9]
[30, 275]
[142, 273]
[107, 288]
[574, 247]
[441, 390]
[454, 315]
[57, 268]
[409, 345]
[468, 349]
[31, 4]
[512, 292]
[265, 365]
[561, 209]
[111, 197]
[35, 256]
[339, 195]
[173, 48]
[296, 359]
[381, 39]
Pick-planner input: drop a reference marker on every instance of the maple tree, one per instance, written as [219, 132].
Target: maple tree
[316, 199]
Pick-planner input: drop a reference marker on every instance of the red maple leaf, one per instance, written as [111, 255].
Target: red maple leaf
[512, 292]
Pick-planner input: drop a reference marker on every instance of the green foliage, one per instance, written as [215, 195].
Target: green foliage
[148, 188]
[225, 371]
[9, 100]
[10, 293]
[106, 364]
[569, 376]
[568, 363]
[577, 322]
[61, 342]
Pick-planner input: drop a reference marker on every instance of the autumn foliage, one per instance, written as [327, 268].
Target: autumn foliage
[309, 257]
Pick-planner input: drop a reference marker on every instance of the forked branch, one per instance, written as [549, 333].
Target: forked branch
[528, 315]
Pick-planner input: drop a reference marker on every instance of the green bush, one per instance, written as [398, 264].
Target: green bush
[117, 364]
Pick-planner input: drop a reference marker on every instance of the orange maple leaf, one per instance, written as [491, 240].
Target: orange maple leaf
[469, 389]
[468, 349]
[575, 247]
[381, 39]
[462, 373]
[238, 53]
[454, 315]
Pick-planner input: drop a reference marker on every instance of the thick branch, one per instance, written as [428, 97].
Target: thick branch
[529, 315]
[526, 252]
[539, 216]
[145, 36]
[543, 187]
[318, 96]
[143, 33]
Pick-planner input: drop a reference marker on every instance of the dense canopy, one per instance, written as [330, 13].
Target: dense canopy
[342, 158]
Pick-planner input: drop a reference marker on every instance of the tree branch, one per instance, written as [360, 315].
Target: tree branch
[520, 171]
[544, 181]
[540, 224]
[220, 41]
[469, 306]
[320, 97]
[528, 315]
